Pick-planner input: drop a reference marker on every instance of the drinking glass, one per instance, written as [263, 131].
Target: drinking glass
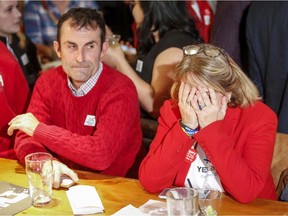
[113, 40]
[209, 201]
[39, 170]
[182, 201]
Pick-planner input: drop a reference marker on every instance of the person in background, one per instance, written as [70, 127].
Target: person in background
[203, 17]
[40, 23]
[84, 113]
[14, 98]
[266, 36]
[20, 46]
[215, 133]
[228, 30]
[163, 28]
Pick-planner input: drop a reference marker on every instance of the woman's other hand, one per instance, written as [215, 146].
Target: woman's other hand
[185, 97]
[113, 56]
[209, 106]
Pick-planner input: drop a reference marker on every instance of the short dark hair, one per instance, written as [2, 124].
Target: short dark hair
[83, 17]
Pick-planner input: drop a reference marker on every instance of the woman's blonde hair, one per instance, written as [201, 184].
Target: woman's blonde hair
[218, 72]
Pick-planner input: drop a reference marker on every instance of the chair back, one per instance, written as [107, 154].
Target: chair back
[280, 157]
[282, 187]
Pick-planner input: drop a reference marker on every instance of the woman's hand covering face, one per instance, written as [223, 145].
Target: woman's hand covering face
[200, 106]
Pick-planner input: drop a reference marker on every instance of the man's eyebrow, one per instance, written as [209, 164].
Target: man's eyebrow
[91, 42]
[69, 42]
[74, 43]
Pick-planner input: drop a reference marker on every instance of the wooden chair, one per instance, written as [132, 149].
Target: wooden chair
[149, 127]
[283, 181]
[280, 159]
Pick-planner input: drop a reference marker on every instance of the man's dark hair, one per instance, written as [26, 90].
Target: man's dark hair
[83, 17]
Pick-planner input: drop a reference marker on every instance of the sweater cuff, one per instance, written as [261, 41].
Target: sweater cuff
[43, 134]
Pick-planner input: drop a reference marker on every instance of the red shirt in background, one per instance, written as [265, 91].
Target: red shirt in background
[203, 16]
[14, 98]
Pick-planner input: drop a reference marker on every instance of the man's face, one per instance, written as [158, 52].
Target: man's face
[80, 52]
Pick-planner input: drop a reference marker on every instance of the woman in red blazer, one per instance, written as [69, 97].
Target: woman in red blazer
[14, 98]
[215, 133]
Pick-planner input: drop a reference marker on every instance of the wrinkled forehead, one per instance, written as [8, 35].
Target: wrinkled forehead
[68, 28]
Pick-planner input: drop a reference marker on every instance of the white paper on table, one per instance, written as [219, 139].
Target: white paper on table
[84, 199]
[129, 210]
[154, 207]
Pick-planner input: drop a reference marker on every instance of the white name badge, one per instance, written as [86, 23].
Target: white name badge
[24, 59]
[139, 65]
[90, 120]
[1, 81]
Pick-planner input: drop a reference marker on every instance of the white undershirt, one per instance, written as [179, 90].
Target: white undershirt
[202, 174]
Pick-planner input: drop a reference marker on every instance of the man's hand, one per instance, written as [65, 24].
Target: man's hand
[25, 122]
[61, 169]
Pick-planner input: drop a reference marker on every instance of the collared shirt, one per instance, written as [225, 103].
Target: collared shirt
[87, 86]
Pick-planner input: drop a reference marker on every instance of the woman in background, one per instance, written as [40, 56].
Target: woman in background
[17, 43]
[14, 98]
[163, 28]
[214, 133]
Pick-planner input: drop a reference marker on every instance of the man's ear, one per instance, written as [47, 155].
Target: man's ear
[57, 48]
[105, 47]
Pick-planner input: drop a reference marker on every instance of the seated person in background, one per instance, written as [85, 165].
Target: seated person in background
[19, 45]
[40, 22]
[14, 98]
[164, 27]
[84, 113]
[215, 133]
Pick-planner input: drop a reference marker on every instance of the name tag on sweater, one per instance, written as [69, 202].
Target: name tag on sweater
[90, 120]
[24, 59]
[1, 81]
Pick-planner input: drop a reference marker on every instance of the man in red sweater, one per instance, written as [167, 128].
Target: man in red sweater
[85, 113]
[14, 98]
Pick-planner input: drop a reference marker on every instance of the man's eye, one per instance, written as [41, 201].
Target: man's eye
[71, 46]
[90, 46]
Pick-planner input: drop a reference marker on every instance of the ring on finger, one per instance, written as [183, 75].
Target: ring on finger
[201, 106]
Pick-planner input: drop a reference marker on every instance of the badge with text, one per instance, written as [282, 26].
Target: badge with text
[191, 155]
[90, 120]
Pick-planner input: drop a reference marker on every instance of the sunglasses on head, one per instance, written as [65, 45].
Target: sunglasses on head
[210, 51]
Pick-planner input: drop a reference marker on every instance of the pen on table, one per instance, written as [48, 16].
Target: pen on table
[200, 210]
[189, 183]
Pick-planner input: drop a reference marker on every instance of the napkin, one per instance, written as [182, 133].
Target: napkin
[154, 207]
[84, 199]
[151, 207]
[129, 210]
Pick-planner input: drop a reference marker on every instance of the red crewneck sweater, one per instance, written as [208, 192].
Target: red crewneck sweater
[14, 98]
[109, 147]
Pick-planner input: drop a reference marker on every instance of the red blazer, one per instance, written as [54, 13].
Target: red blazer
[240, 147]
[14, 98]
[205, 23]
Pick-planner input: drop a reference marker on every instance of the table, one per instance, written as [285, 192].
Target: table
[118, 192]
